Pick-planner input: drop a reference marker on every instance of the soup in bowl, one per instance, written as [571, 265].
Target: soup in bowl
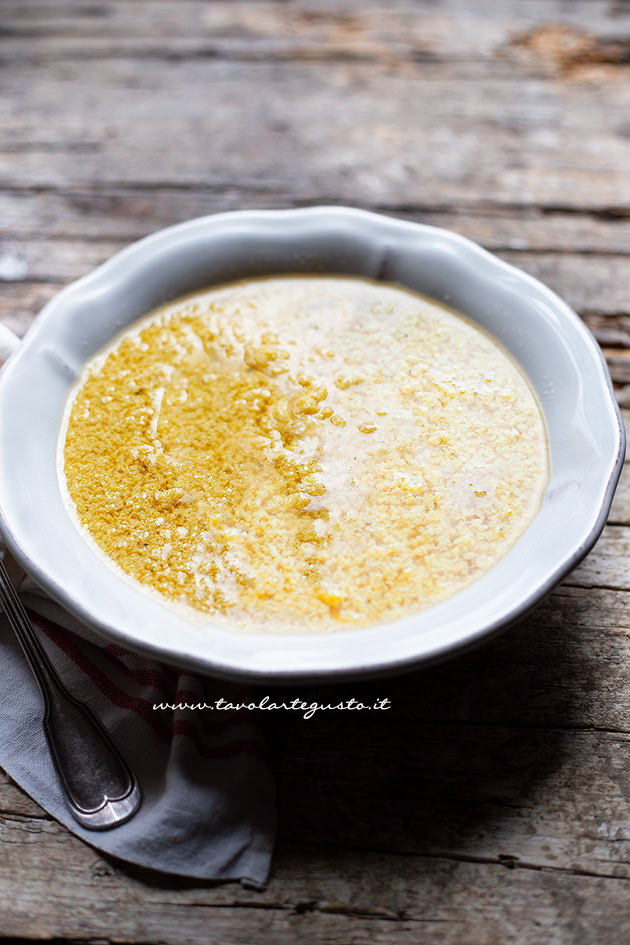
[304, 453]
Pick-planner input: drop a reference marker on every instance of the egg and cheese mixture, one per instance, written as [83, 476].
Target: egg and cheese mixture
[304, 453]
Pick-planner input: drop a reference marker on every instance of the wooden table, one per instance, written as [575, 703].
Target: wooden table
[491, 805]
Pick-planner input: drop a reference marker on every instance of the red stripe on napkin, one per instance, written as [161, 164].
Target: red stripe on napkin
[195, 730]
[102, 682]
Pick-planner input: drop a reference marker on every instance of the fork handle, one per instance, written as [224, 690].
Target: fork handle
[100, 789]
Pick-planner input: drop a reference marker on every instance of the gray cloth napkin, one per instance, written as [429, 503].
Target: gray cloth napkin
[208, 809]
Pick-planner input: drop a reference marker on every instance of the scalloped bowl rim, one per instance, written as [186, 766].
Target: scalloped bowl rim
[556, 350]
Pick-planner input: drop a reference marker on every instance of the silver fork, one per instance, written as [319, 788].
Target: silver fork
[100, 789]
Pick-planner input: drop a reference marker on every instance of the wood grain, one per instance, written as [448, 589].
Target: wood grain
[491, 804]
[316, 898]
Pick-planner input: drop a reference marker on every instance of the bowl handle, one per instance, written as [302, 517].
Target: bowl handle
[8, 343]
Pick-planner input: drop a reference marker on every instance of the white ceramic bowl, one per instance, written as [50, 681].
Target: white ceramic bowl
[546, 337]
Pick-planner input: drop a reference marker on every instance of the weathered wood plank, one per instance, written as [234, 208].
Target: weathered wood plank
[14, 801]
[126, 215]
[359, 898]
[380, 136]
[20, 303]
[552, 799]
[52, 261]
[608, 565]
[620, 512]
[395, 31]
[611, 331]
[599, 284]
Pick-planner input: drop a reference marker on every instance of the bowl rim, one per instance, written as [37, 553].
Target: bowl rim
[22, 548]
